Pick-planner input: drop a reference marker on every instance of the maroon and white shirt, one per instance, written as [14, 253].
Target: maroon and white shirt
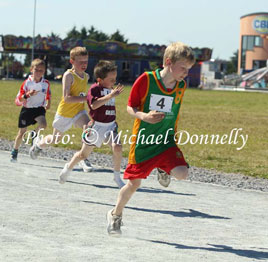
[105, 113]
[43, 89]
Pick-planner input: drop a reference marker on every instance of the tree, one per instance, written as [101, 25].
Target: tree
[83, 33]
[53, 35]
[97, 35]
[117, 36]
[73, 33]
[232, 63]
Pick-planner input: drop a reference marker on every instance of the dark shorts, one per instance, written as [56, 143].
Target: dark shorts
[167, 160]
[27, 116]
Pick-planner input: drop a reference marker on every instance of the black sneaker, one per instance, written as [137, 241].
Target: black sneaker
[14, 155]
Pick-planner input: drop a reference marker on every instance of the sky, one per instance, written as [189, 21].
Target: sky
[199, 23]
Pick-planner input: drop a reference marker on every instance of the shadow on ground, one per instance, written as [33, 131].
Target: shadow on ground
[218, 248]
[189, 213]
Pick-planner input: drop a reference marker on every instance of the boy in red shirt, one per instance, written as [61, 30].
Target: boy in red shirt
[103, 128]
[155, 101]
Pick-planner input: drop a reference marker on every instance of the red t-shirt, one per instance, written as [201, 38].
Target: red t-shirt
[105, 113]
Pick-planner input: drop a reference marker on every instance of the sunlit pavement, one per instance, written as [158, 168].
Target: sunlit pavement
[42, 220]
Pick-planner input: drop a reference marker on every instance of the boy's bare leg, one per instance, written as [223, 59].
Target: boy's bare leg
[179, 172]
[42, 124]
[41, 121]
[19, 137]
[117, 156]
[50, 139]
[125, 194]
[80, 155]
[82, 121]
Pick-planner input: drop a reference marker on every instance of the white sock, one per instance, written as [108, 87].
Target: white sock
[118, 180]
[116, 174]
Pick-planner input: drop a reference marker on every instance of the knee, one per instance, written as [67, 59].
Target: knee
[21, 133]
[43, 125]
[82, 155]
[184, 173]
[134, 184]
[180, 173]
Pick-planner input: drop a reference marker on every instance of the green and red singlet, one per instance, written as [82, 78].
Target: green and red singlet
[149, 93]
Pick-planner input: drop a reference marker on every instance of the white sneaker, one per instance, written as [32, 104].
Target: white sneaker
[34, 151]
[113, 223]
[65, 172]
[85, 164]
[163, 178]
[119, 181]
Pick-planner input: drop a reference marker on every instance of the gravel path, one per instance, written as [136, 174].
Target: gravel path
[195, 174]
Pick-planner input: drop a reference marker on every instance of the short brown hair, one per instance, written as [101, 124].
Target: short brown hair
[78, 51]
[38, 62]
[178, 51]
[103, 68]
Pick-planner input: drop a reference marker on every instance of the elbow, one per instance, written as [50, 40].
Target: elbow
[129, 109]
[93, 107]
[66, 99]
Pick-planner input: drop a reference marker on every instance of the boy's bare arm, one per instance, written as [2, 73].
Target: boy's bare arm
[48, 104]
[28, 94]
[102, 100]
[67, 81]
[151, 117]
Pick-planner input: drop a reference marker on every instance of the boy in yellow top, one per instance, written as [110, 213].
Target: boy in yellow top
[71, 110]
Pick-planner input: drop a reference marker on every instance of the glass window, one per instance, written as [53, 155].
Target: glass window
[258, 41]
[250, 42]
[244, 43]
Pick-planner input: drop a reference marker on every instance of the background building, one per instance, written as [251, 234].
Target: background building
[131, 59]
[253, 49]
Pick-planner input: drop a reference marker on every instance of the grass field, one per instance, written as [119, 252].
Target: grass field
[203, 112]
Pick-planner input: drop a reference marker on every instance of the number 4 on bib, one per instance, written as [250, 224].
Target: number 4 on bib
[161, 103]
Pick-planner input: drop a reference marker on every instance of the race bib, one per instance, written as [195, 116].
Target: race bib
[161, 103]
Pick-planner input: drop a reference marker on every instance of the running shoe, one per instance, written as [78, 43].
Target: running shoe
[114, 223]
[65, 172]
[14, 156]
[85, 164]
[34, 151]
[163, 178]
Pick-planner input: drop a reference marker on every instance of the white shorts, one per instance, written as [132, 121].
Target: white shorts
[63, 124]
[99, 133]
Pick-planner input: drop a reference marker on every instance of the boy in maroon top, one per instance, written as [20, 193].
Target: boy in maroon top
[102, 128]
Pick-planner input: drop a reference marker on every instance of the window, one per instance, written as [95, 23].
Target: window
[125, 65]
[248, 43]
[259, 64]
[258, 41]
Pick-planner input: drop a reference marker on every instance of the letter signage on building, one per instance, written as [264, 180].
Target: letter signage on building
[260, 24]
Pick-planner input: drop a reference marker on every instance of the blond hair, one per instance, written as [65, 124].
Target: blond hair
[178, 51]
[78, 51]
[104, 67]
[38, 62]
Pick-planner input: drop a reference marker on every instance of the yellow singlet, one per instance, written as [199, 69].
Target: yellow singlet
[78, 88]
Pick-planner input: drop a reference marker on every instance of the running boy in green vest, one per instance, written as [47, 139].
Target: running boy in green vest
[155, 101]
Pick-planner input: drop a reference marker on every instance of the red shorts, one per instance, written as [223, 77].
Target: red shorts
[167, 160]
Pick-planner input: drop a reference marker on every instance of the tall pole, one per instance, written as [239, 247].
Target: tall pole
[33, 30]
